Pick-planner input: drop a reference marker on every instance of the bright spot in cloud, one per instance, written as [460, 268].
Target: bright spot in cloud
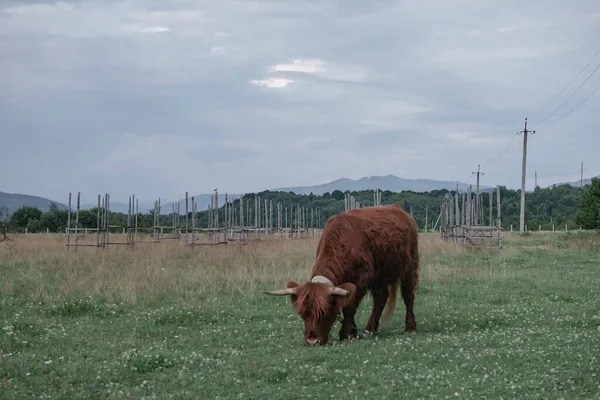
[150, 29]
[337, 72]
[307, 66]
[217, 50]
[272, 82]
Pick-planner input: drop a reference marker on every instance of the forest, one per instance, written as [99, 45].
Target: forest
[559, 206]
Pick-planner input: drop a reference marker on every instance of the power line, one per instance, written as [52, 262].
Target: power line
[571, 96]
[501, 153]
[507, 148]
[577, 106]
[565, 88]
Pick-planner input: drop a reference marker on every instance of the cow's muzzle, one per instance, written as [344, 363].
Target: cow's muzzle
[312, 340]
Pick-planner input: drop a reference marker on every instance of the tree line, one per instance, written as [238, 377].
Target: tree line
[560, 206]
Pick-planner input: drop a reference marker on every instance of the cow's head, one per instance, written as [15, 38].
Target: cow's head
[318, 304]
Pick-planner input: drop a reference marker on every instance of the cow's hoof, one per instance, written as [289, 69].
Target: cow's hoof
[368, 334]
[348, 339]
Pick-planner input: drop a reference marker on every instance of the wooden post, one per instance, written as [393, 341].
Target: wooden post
[211, 217]
[101, 227]
[69, 225]
[266, 216]
[469, 206]
[155, 221]
[137, 211]
[187, 223]
[280, 219]
[271, 215]
[457, 209]
[464, 209]
[286, 221]
[498, 209]
[77, 219]
[255, 211]
[103, 222]
[242, 229]
[107, 218]
[98, 223]
[491, 207]
[128, 221]
[131, 219]
[193, 221]
[444, 225]
[216, 210]
[303, 219]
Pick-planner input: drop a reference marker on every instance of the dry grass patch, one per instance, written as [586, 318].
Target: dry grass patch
[41, 265]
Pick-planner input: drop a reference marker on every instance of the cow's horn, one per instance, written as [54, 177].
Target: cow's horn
[282, 292]
[339, 292]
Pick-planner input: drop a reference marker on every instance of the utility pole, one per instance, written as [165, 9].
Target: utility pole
[522, 217]
[536, 179]
[477, 201]
[581, 174]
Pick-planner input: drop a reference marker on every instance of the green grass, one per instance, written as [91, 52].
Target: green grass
[524, 323]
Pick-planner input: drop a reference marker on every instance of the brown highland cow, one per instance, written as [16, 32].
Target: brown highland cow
[370, 249]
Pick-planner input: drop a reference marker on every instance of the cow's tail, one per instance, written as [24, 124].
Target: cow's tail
[390, 305]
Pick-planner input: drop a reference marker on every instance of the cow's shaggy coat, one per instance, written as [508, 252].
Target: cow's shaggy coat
[371, 249]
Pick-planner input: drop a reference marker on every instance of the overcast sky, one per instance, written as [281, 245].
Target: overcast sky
[161, 97]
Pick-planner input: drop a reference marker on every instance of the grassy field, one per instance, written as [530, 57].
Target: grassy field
[163, 321]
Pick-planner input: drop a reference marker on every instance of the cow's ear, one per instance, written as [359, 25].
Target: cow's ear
[344, 300]
[290, 285]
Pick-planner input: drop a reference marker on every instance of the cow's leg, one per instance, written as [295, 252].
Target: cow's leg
[380, 297]
[408, 294]
[349, 329]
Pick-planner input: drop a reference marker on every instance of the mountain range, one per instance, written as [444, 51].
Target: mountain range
[576, 183]
[387, 182]
[12, 201]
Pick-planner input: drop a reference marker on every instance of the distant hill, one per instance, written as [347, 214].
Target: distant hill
[388, 182]
[12, 201]
[576, 183]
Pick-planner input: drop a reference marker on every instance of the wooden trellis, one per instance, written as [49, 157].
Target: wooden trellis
[461, 220]
[102, 229]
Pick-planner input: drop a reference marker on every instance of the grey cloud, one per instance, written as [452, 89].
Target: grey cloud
[157, 92]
